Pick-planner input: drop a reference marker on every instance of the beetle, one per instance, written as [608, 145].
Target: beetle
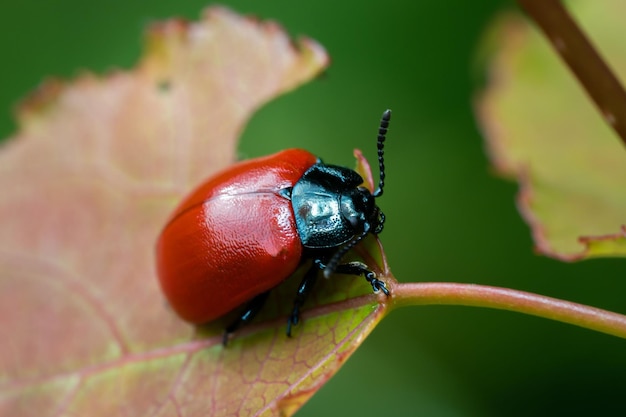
[248, 228]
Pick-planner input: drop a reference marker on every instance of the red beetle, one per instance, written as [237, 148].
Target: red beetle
[248, 228]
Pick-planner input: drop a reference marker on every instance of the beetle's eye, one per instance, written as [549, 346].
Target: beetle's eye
[364, 201]
[364, 192]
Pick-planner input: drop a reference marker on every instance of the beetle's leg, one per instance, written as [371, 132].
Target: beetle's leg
[306, 285]
[252, 308]
[359, 268]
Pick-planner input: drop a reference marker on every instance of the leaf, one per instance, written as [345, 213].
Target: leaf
[87, 183]
[542, 130]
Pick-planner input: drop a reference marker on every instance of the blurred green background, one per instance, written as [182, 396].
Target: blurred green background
[449, 218]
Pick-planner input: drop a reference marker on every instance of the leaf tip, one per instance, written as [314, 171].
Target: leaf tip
[39, 100]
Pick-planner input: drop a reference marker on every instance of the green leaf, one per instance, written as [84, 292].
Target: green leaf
[542, 130]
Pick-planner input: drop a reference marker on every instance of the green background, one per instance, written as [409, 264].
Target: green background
[448, 217]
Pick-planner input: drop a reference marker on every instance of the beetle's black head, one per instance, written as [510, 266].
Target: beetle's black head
[359, 209]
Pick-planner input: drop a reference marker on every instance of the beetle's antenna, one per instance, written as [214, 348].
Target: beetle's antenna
[382, 135]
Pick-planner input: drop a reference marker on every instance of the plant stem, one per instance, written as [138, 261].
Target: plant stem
[576, 50]
[506, 299]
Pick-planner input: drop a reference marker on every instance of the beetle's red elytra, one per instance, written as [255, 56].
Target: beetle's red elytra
[248, 228]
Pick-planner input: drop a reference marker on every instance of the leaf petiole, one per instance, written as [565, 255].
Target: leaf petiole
[591, 318]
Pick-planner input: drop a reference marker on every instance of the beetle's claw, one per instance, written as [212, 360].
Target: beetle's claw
[377, 284]
[382, 287]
